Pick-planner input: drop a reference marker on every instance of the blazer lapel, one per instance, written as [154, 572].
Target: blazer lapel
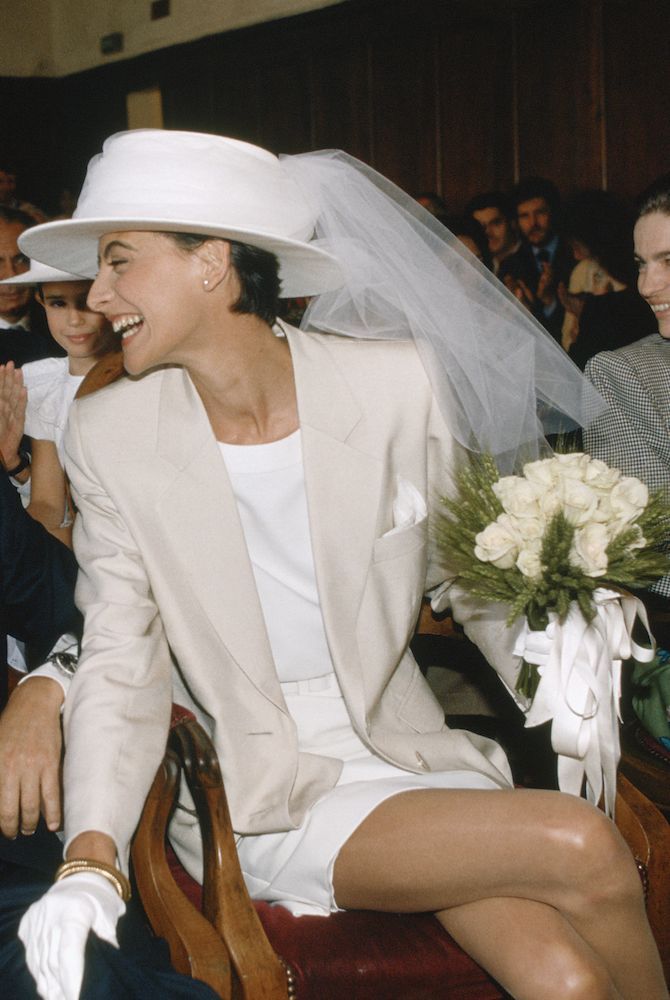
[343, 485]
[200, 512]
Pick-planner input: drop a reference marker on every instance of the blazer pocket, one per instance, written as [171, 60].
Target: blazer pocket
[419, 708]
[398, 543]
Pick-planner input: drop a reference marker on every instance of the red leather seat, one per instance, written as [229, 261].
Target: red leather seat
[365, 956]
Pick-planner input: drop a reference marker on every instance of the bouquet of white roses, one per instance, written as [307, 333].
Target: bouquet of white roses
[561, 545]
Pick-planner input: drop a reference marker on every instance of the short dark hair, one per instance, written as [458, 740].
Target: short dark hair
[465, 225]
[491, 199]
[439, 207]
[655, 198]
[8, 214]
[537, 187]
[257, 270]
[603, 223]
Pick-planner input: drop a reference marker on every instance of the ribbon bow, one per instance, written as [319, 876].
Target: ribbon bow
[580, 687]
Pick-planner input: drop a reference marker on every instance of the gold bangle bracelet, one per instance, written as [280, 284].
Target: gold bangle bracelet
[112, 874]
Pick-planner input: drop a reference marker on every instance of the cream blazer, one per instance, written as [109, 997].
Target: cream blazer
[171, 607]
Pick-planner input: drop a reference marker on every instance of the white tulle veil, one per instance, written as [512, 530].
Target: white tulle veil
[501, 380]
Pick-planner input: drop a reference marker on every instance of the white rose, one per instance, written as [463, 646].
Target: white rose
[629, 498]
[589, 549]
[518, 496]
[550, 503]
[499, 542]
[604, 512]
[528, 561]
[579, 501]
[571, 466]
[543, 473]
[532, 529]
[615, 528]
[600, 476]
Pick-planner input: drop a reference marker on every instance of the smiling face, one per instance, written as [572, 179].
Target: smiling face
[152, 293]
[14, 299]
[652, 253]
[82, 333]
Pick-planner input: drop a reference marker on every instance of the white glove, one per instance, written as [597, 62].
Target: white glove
[55, 929]
[535, 647]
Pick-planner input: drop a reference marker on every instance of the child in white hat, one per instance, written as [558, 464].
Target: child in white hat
[35, 400]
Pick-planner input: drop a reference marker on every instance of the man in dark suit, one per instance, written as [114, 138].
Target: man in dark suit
[547, 255]
[37, 577]
[21, 339]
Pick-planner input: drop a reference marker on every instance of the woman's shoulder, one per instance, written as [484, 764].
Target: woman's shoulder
[129, 402]
[645, 359]
[380, 374]
[366, 353]
[126, 388]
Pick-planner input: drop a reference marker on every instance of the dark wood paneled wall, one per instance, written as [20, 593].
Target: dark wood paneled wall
[455, 96]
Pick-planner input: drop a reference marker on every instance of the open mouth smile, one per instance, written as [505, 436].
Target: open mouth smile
[127, 325]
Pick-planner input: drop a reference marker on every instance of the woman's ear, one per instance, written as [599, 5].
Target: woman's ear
[215, 262]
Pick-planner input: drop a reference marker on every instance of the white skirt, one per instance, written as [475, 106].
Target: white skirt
[294, 868]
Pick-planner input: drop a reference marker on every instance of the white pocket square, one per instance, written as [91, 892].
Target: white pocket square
[409, 507]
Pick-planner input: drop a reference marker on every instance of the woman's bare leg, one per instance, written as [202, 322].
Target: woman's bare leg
[507, 872]
[531, 949]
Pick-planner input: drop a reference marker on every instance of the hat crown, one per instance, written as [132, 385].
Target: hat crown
[183, 178]
[191, 182]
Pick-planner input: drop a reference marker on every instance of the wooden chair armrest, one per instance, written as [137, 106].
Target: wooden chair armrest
[195, 947]
[227, 908]
[226, 902]
[647, 833]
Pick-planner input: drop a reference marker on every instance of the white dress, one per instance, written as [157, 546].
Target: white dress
[294, 868]
[51, 390]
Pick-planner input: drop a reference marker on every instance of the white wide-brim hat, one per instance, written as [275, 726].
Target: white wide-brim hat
[189, 182]
[41, 274]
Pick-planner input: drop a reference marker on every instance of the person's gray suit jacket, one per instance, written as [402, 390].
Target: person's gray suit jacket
[634, 433]
[166, 579]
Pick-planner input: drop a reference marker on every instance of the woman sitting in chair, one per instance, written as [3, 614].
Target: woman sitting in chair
[253, 538]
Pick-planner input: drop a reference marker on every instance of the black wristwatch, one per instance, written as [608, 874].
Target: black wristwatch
[65, 662]
[24, 463]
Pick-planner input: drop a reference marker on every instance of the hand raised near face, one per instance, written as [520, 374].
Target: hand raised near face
[13, 398]
[520, 290]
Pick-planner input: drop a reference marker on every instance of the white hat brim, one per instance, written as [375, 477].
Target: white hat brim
[42, 274]
[304, 268]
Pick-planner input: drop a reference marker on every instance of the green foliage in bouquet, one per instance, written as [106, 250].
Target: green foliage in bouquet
[525, 541]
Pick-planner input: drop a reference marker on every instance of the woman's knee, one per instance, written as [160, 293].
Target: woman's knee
[550, 961]
[597, 860]
[581, 979]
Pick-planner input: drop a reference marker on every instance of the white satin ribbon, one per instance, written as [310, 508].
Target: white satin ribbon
[580, 687]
